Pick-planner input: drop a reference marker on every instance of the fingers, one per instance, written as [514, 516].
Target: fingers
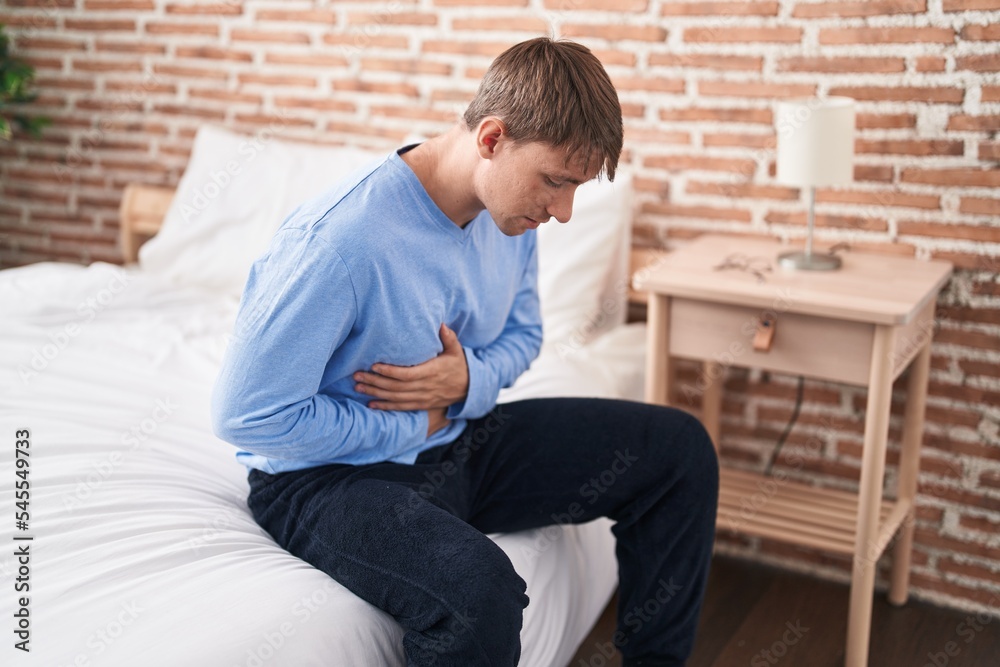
[379, 381]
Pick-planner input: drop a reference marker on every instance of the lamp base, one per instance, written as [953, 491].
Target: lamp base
[800, 261]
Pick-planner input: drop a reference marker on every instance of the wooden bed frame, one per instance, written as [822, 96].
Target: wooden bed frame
[143, 208]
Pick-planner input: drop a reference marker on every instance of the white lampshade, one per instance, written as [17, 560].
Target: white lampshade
[815, 142]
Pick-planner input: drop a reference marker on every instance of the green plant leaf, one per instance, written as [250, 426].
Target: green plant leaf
[16, 78]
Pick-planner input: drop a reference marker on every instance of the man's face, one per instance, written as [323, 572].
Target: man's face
[525, 184]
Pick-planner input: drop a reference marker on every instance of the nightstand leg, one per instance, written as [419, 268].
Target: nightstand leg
[909, 467]
[658, 367]
[866, 551]
[711, 401]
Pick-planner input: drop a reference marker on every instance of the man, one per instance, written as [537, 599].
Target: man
[380, 326]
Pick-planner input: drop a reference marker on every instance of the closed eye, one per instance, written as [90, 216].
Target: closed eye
[551, 183]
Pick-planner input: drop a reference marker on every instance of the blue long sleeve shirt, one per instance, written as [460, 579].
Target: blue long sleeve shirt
[363, 274]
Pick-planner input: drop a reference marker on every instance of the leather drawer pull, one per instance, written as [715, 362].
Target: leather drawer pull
[764, 335]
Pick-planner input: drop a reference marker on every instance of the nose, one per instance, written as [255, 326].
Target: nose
[561, 207]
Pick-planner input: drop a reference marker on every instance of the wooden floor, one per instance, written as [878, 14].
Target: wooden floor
[757, 616]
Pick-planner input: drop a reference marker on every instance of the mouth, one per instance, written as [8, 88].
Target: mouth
[532, 224]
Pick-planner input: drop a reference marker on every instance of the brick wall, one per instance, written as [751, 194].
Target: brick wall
[128, 83]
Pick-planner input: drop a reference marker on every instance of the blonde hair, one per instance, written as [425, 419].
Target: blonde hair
[555, 92]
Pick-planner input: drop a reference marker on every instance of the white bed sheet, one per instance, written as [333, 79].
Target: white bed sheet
[144, 551]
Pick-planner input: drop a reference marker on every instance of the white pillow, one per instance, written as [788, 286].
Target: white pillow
[583, 265]
[236, 191]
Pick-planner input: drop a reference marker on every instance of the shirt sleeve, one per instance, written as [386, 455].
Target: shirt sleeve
[298, 307]
[497, 365]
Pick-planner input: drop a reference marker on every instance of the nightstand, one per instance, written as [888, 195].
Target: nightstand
[862, 325]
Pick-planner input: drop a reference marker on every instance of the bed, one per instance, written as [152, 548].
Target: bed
[143, 551]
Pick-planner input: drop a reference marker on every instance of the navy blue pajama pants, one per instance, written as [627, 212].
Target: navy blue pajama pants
[410, 539]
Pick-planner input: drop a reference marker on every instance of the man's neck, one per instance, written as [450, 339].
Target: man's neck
[444, 165]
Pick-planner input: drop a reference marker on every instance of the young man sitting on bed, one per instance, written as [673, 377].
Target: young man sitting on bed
[375, 334]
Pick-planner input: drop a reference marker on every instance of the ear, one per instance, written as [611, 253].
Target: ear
[490, 133]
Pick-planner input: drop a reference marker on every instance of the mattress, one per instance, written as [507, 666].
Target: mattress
[142, 549]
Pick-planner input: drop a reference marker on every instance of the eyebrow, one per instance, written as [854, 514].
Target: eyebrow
[563, 177]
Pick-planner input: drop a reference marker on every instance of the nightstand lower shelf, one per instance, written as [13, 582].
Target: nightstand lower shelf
[780, 509]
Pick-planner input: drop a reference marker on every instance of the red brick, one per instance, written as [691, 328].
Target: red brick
[187, 110]
[741, 140]
[225, 96]
[129, 47]
[365, 129]
[190, 72]
[865, 121]
[479, 48]
[743, 35]
[930, 64]
[473, 3]
[979, 32]
[393, 18]
[990, 94]
[213, 53]
[107, 66]
[320, 104]
[838, 65]
[415, 113]
[880, 198]
[705, 212]
[749, 190]
[980, 314]
[989, 151]
[255, 120]
[964, 260]
[707, 61]
[980, 206]
[306, 59]
[269, 36]
[901, 93]
[959, 177]
[615, 57]
[406, 66]
[221, 8]
[987, 62]
[34, 20]
[986, 123]
[719, 9]
[923, 147]
[355, 85]
[812, 10]
[990, 478]
[644, 33]
[118, 5]
[688, 162]
[655, 84]
[48, 44]
[865, 223]
[155, 28]
[297, 15]
[505, 23]
[761, 90]
[984, 524]
[99, 25]
[974, 339]
[606, 5]
[886, 35]
[277, 80]
[361, 40]
[969, 5]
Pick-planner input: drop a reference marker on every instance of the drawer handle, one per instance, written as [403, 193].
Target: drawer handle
[764, 335]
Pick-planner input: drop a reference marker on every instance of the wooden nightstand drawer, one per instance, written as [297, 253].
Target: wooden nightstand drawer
[810, 345]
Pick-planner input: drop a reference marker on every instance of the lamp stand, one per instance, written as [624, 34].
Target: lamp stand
[807, 261]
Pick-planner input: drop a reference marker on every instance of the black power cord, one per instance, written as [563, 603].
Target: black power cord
[788, 428]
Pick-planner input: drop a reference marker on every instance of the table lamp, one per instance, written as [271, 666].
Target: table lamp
[815, 149]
